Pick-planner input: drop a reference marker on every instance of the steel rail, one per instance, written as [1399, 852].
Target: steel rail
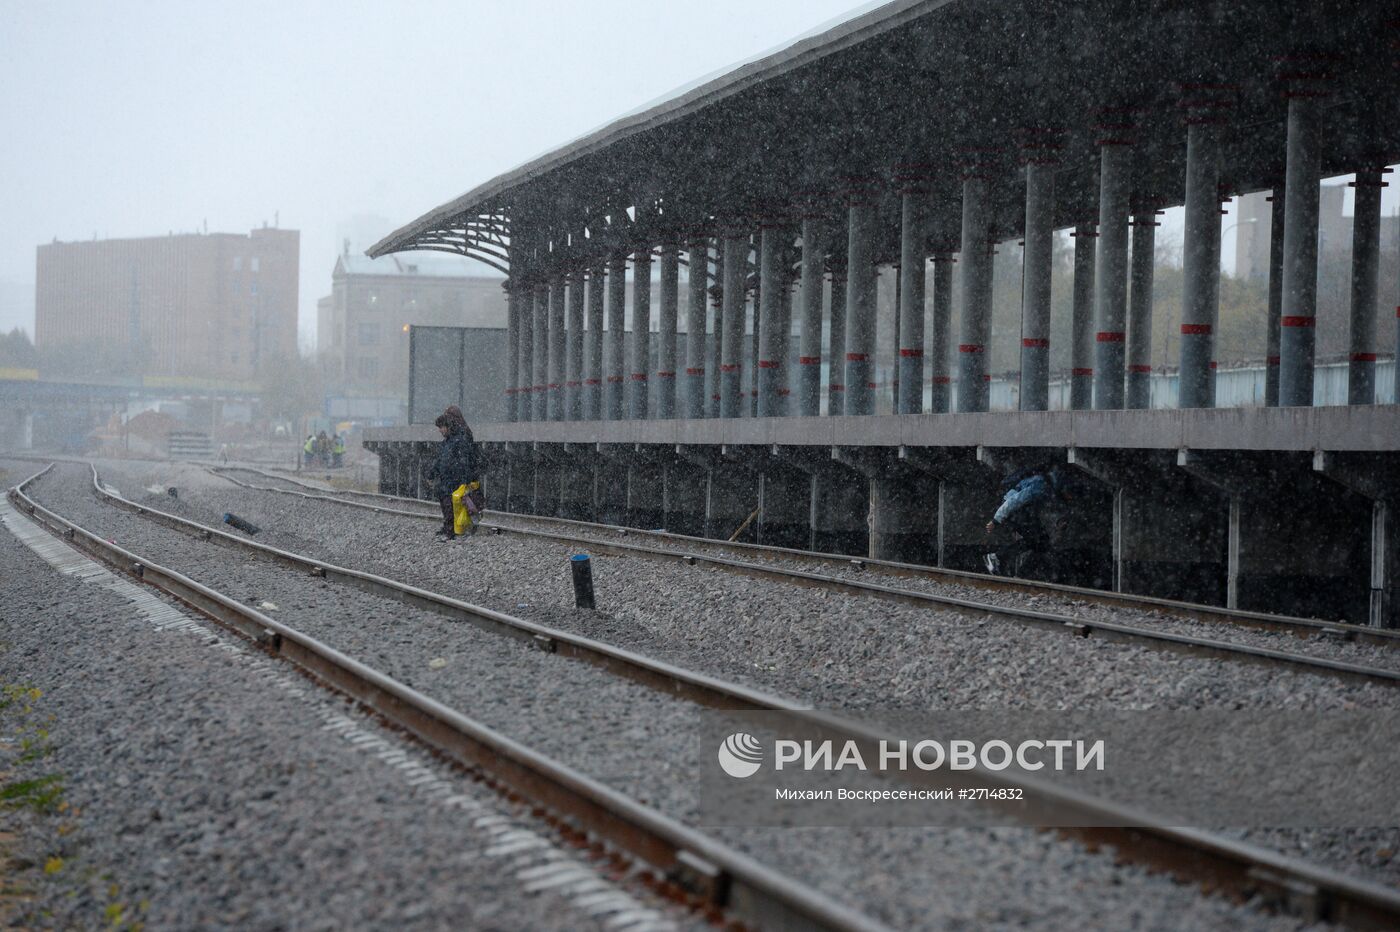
[1219, 863]
[1113, 631]
[1193, 611]
[712, 874]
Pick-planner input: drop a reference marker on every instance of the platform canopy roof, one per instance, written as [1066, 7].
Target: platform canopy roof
[920, 94]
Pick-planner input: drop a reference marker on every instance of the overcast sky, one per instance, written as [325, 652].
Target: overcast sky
[138, 118]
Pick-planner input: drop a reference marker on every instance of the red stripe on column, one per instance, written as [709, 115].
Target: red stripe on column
[665, 375]
[969, 348]
[912, 353]
[592, 381]
[809, 360]
[553, 385]
[837, 388]
[1035, 343]
[784, 391]
[1109, 336]
[857, 357]
[767, 364]
[699, 371]
[1214, 364]
[1081, 372]
[1363, 357]
[1139, 368]
[729, 367]
[942, 380]
[1298, 321]
[985, 378]
[1197, 329]
[639, 377]
[572, 384]
[614, 378]
[1272, 360]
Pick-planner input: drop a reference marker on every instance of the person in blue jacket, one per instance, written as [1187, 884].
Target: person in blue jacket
[1021, 515]
[456, 465]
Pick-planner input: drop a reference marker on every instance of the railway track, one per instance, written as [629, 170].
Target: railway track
[766, 563]
[1219, 862]
[688, 865]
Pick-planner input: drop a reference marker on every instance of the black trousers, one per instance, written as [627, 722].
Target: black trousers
[446, 503]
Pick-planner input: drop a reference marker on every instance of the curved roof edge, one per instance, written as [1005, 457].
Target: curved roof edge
[686, 99]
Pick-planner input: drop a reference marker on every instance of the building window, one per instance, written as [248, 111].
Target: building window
[369, 367]
[238, 263]
[253, 264]
[373, 298]
[369, 334]
[252, 287]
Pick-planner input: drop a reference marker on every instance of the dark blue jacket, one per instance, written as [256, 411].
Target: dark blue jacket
[456, 464]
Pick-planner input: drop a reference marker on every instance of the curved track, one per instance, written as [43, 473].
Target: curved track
[688, 864]
[1222, 863]
[765, 562]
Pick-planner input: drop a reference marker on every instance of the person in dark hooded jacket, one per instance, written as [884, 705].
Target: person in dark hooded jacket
[456, 464]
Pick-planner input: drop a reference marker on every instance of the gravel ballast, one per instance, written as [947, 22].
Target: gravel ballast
[205, 786]
[885, 872]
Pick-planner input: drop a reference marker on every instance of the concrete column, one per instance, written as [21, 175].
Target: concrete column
[731, 370]
[940, 369]
[1275, 309]
[809, 358]
[716, 352]
[573, 384]
[1296, 334]
[1081, 378]
[664, 391]
[771, 374]
[913, 226]
[1365, 278]
[557, 375]
[693, 386]
[614, 401]
[861, 277]
[973, 380]
[836, 353]
[750, 404]
[539, 397]
[1035, 285]
[512, 351]
[1111, 275]
[1201, 266]
[593, 377]
[526, 363]
[1140, 310]
[641, 334]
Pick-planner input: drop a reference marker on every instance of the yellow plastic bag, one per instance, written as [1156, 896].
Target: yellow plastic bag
[461, 516]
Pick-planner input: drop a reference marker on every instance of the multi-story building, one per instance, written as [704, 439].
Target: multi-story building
[362, 325]
[194, 307]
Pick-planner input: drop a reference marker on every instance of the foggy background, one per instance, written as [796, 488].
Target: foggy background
[336, 119]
